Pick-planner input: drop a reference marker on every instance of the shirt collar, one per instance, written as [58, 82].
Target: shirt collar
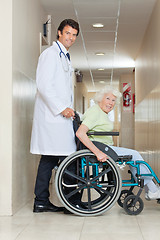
[62, 47]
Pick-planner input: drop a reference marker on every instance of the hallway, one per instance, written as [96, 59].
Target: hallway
[113, 225]
[137, 27]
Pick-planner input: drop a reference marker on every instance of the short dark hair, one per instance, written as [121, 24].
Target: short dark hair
[68, 22]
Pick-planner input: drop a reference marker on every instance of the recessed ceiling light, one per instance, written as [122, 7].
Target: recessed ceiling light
[98, 25]
[102, 81]
[100, 69]
[99, 54]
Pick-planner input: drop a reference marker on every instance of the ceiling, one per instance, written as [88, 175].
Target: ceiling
[125, 22]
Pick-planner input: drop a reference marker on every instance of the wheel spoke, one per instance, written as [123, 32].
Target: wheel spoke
[87, 169]
[88, 180]
[101, 174]
[89, 198]
[75, 191]
[101, 189]
[75, 176]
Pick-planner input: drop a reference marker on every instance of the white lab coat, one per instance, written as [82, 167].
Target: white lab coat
[52, 134]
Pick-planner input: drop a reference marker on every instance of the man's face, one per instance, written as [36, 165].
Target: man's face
[68, 36]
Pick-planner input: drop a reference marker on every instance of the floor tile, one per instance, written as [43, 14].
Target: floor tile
[112, 225]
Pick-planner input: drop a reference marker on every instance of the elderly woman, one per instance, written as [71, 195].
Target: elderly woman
[96, 119]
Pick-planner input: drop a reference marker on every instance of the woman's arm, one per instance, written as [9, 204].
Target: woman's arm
[82, 135]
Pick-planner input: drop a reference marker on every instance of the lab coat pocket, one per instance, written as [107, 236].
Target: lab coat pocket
[51, 118]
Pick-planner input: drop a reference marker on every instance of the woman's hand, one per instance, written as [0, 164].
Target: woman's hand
[82, 135]
[102, 157]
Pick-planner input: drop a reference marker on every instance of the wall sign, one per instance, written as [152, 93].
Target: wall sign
[127, 96]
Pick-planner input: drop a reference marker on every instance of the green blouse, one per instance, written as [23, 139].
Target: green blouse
[97, 120]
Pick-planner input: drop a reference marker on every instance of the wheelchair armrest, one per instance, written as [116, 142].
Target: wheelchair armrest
[103, 133]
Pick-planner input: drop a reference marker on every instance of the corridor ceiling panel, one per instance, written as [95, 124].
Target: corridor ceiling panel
[125, 23]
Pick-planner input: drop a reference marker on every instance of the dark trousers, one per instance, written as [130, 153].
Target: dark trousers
[44, 173]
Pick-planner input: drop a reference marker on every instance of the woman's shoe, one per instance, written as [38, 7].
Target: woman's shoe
[152, 196]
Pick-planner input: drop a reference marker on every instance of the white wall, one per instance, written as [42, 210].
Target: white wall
[28, 19]
[6, 107]
[147, 117]
[148, 60]
[80, 92]
[21, 22]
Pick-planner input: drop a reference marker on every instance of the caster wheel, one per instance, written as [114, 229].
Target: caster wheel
[123, 195]
[131, 207]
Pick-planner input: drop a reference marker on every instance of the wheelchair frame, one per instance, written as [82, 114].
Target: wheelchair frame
[132, 203]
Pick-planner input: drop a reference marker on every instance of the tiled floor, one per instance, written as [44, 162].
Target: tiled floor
[113, 225]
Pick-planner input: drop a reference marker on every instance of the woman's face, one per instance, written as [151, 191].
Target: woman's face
[107, 103]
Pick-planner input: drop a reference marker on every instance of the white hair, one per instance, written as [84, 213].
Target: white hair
[108, 89]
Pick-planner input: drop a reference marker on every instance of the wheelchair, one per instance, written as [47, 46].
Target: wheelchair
[98, 185]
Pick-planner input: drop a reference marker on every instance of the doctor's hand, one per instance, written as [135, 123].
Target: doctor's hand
[68, 112]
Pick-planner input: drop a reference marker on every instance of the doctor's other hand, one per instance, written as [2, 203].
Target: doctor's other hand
[68, 112]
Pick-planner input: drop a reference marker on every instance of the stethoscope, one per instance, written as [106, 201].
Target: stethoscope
[63, 58]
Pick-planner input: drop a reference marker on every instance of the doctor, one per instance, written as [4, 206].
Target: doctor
[52, 131]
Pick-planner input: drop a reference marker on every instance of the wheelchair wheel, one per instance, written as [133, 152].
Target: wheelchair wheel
[131, 206]
[84, 186]
[124, 193]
